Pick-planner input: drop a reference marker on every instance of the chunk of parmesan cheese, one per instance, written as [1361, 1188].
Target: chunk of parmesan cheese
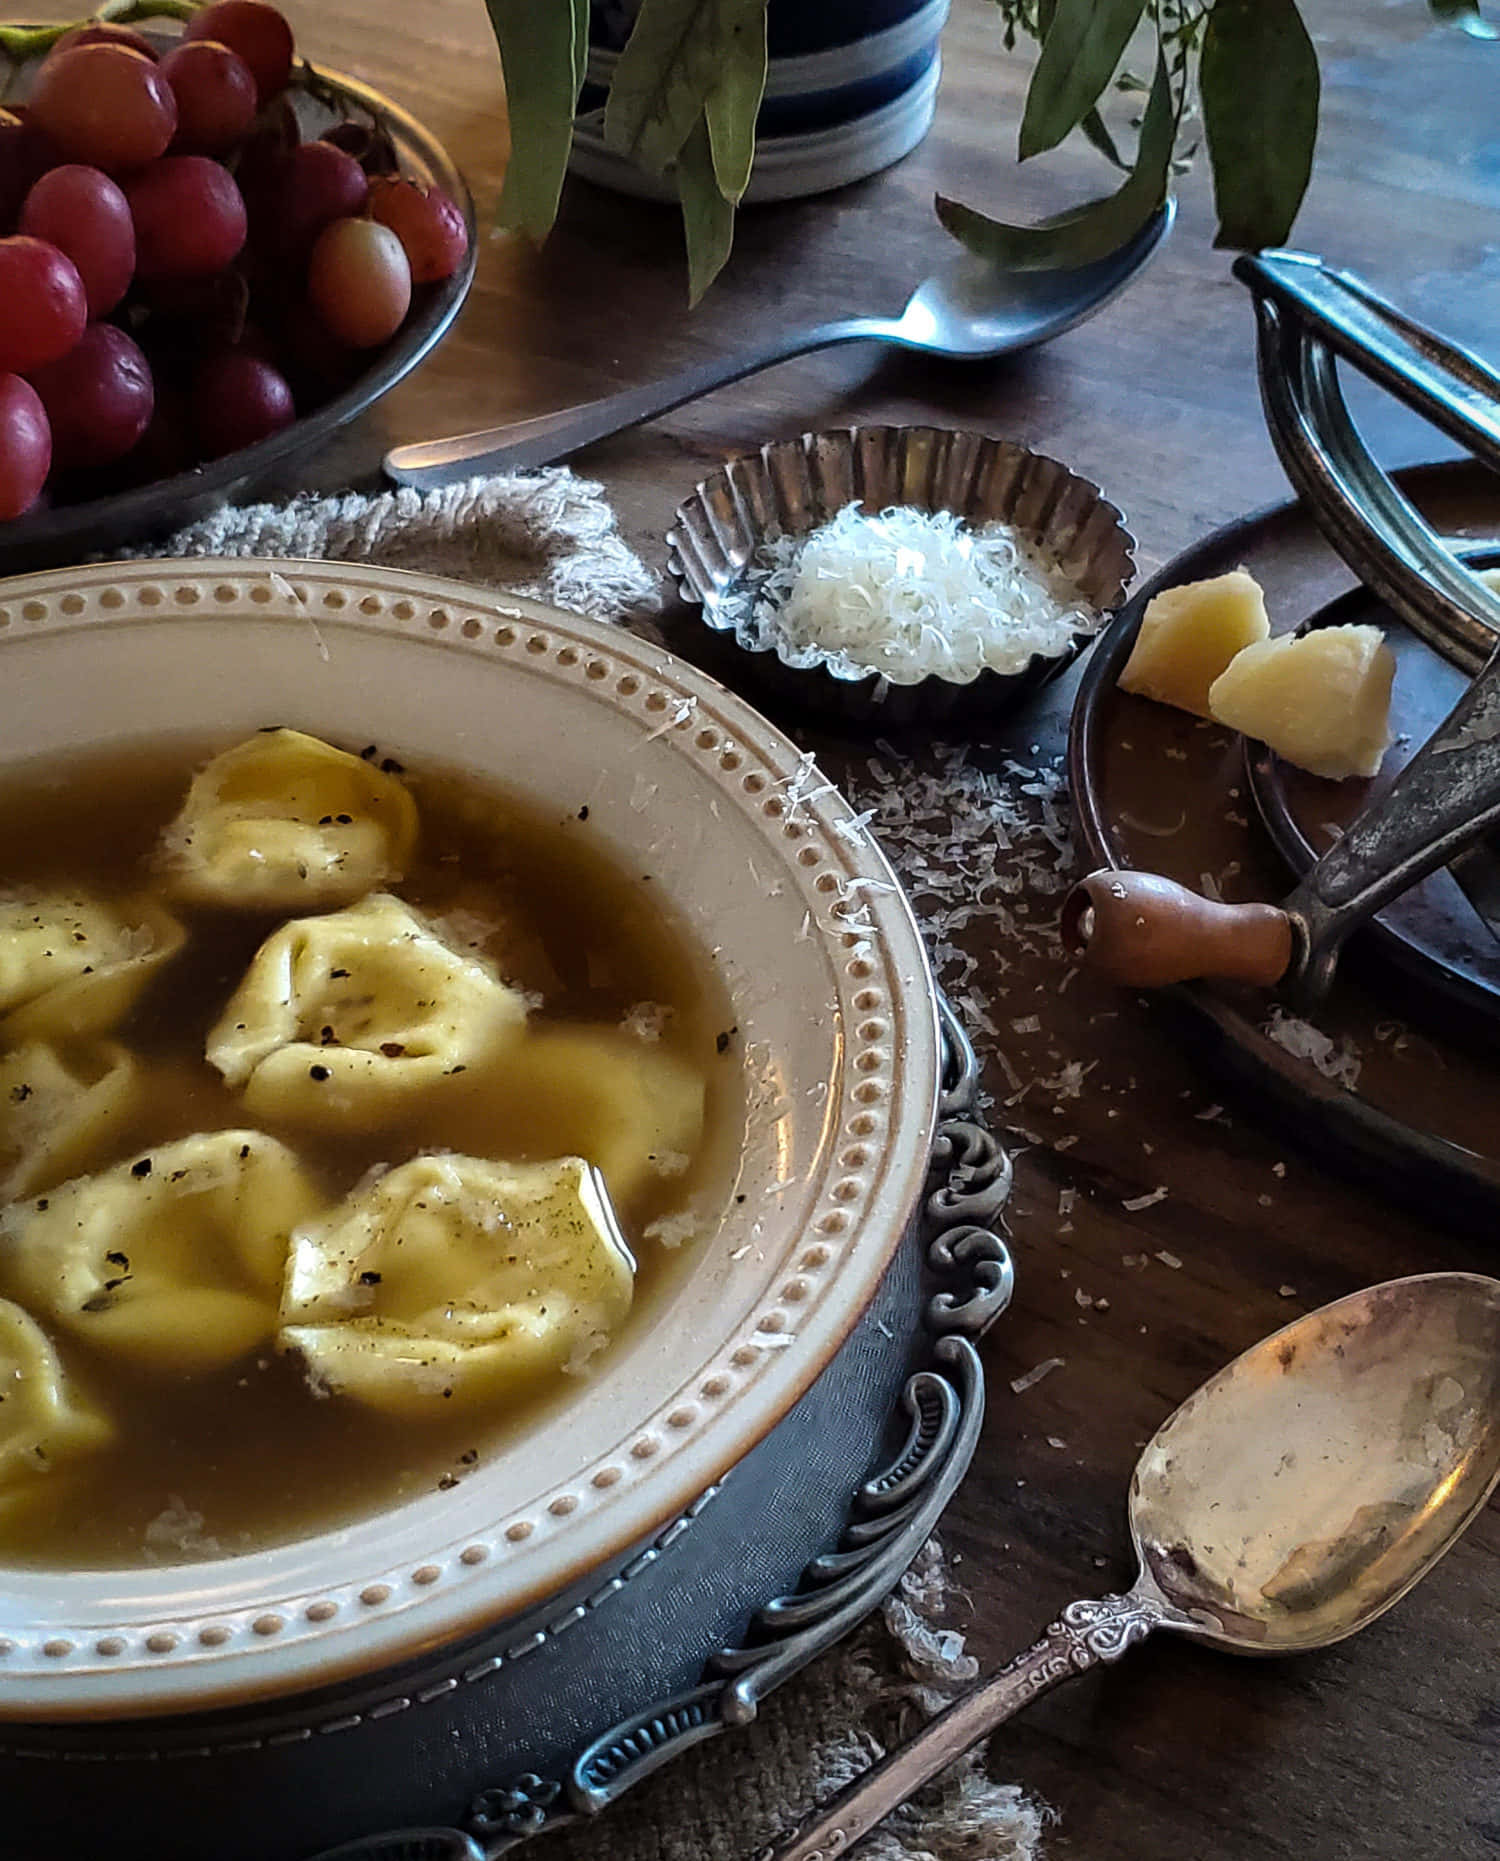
[1322, 699]
[1190, 634]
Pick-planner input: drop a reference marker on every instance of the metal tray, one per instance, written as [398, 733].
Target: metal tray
[1420, 1119]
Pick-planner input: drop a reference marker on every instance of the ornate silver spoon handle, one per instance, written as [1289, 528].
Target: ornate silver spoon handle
[1085, 1634]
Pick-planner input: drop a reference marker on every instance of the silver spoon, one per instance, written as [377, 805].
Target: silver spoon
[968, 311]
[1290, 1501]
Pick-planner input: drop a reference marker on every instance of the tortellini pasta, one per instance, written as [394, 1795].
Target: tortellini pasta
[456, 1280]
[633, 1109]
[43, 1421]
[72, 966]
[173, 1261]
[342, 1020]
[286, 822]
[57, 1109]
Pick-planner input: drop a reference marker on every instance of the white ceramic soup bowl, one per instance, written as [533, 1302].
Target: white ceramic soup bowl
[837, 1040]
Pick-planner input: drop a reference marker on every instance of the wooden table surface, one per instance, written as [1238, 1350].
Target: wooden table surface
[1388, 1745]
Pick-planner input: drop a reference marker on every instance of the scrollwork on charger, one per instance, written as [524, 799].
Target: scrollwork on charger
[890, 1517]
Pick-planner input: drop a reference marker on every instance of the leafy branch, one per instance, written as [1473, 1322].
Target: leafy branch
[1240, 74]
[1247, 68]
[685, 96]
[20, 43]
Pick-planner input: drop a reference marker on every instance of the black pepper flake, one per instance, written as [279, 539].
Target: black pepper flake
[739, 1198]
[469, 1456]
[101, 1302]
[392, 1049]
[143, 1168]
[19, 1094]
[391, 767]
[177, 1176]
[326, 1038]
[115, 1258]
[113, 1285]
[88, 969]
[449, 1480]
[457, 1069]
[325, 820]
[344, 820]
[583, 812]
[42, 1206]
[368, 1278]
[446, 1394]
[369, 753]
[320, 1073]
[721, 1042]
[244, 1152]
[337, 975]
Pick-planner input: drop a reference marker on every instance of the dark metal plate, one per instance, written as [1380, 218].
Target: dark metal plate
[1432, 933]
[1159, 791]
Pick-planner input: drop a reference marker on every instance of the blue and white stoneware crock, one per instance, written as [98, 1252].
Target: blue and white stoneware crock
[851, 88]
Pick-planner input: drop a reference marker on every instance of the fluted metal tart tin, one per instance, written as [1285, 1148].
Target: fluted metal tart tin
[792, 486]
[269, 1704]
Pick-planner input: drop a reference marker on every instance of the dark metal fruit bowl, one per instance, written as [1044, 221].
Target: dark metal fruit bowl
[69, 532]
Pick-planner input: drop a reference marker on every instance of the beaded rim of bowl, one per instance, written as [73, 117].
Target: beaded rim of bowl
[789, 487]
[86, 1645]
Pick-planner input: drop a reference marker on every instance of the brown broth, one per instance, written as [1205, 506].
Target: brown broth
[248, 1457]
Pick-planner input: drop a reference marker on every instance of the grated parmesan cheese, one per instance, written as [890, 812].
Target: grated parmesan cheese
[910, 594]
[1336, 1060]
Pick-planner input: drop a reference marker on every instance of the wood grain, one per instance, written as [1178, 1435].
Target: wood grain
[1387, 1747]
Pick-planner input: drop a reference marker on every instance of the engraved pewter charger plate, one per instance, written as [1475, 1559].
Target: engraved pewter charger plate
[837, 1048]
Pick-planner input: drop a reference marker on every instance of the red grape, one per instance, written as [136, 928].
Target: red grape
[15, 169]
[313, 360]
[25, 446]
[46, 307]
[189, 217]
[359, 282]
[430, 227]
[105, 32]
[369, 143]
[166, 447]
[318, 184]
[104, 105]
[83, 213]
[238, 399]
[98, 398]
[215, 92]
[257, 32]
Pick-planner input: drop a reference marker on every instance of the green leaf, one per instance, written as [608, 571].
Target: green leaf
[1096, 130]
[1464, 14]
[1259, 81]
[580, 47]
[707, 217]
[732, 107]
[672, 64]
[1092, 231]
[1085, 42]
[537, 41]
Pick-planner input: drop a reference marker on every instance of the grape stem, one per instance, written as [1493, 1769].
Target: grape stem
[20, 43]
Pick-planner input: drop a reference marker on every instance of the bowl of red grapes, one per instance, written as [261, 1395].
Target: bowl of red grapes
[212, 254]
